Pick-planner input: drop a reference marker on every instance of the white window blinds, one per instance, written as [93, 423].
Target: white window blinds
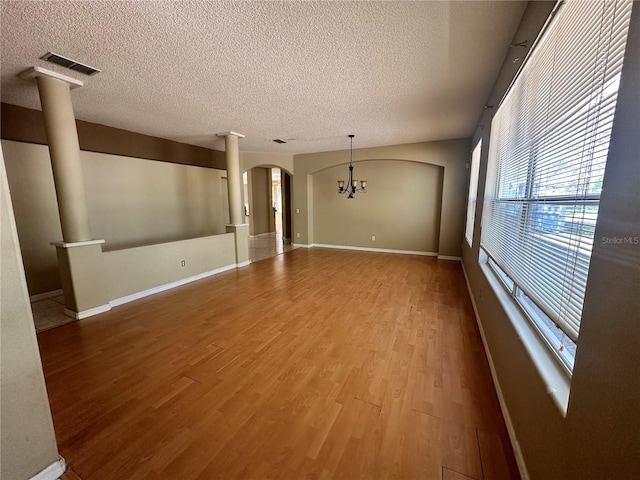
[549, 144]
[473, 193]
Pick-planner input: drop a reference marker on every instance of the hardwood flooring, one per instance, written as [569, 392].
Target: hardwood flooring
[313, 364]
[267, 246]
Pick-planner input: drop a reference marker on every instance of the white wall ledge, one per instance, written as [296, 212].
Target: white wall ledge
[556, 380]
[63, 244]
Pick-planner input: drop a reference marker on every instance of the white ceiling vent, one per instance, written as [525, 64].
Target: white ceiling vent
[68, 63]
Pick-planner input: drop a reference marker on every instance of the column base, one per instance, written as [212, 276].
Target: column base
[83, 278]
[87, 313]
[241, 232]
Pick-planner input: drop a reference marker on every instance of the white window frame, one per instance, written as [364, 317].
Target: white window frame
[473, 193]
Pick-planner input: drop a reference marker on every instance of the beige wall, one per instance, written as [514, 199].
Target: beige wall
[600, 435]
[131, 202]
[27, 439]
[272, 200]
[36, 211]
[260, 206]
[135, 270]
[451, 155]
[401, 207]
[248, 160]
[135, 202]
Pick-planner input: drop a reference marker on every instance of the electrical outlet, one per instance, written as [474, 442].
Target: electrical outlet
[297, 235]
[297, 210]
[183, 263]
[373, 237]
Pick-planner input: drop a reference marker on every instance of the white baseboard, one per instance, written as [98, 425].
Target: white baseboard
[522, 467]
[262, 235]
[301, 245]
[177, 283]
[45, 295]
[244, 264]
[380, 250]
[448, 257]
[53, 471]
[87, 313]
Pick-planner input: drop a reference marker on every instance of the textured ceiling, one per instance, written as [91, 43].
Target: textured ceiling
[308, 72]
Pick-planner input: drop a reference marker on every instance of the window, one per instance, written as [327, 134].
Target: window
[473, 193]
[547, 157]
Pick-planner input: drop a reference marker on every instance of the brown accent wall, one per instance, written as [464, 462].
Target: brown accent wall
[26, 125]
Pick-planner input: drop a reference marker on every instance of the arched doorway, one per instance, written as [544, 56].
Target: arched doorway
[267, 208]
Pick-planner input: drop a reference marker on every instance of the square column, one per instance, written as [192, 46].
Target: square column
[80, 260]
[83, 278]
[241, 233]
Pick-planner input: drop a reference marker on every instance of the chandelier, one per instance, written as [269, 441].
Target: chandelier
[351, 184]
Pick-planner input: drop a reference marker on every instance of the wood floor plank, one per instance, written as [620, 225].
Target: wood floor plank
[313, 364]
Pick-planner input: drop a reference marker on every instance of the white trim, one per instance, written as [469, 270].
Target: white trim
[169, 286]
[63, 244]
[224, 134]
[522, 467]
[243, 264]
[43, 296]
[237, 225]
[35, 72]
[380, 250]
[449, 257]
[53, 471]
[262, 234]
[301, 245]
[555, 377]
[87, 313]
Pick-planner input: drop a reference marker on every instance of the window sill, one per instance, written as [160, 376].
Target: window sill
[555, 378]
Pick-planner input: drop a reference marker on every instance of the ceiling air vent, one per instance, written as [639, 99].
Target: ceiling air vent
[279, 140]
[68, 63]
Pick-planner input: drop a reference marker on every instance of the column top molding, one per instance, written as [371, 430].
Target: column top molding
[225, 134]
[35, 72]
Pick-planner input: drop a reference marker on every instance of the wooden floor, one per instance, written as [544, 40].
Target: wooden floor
[312, 364]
